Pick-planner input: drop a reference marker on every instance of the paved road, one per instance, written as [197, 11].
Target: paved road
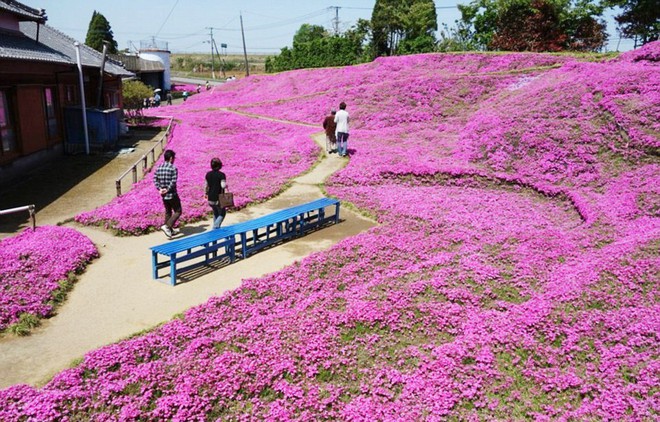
[182, 80]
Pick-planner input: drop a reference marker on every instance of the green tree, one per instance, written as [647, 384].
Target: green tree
[639, 19]
[534, 25]
[313, 46]
[134, 92]
[406, 26]
[98, 31]
[456, 38]
[308, 33]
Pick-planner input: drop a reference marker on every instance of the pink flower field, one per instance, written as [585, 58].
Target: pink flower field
[35, 265]
[259, 157]
[514, 274]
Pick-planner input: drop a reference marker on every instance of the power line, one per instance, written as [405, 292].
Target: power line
[167, 18]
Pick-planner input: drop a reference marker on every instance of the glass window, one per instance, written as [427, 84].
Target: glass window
[51, 118]
[7, 129]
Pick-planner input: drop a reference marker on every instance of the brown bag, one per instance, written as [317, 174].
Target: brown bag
[226, 200]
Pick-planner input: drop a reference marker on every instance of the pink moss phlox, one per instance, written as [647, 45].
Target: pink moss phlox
[33, 263]
[514, 273]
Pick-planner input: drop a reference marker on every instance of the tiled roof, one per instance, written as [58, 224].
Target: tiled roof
[138, 64]
[15, 45]
[22, 11]
[54, 46]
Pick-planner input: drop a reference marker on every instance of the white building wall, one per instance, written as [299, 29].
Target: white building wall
[162, 56]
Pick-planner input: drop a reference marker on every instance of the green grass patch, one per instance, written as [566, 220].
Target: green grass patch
[25, 324]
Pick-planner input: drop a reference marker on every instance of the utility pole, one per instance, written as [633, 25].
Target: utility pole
[335, 21]
[222, 60]
[247, 66]
[212, 59]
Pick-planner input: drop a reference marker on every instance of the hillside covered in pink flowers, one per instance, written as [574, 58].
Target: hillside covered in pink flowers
[514, 273]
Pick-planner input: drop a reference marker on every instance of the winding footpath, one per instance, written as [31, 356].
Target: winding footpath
[116, 297]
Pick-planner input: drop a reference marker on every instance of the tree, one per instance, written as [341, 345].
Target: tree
[409, 24]
[639, 19]
[313, 46]
[534, 25]
[309, 33]
[134, 92]
[456, 38]
[99, 30]
[529, 27]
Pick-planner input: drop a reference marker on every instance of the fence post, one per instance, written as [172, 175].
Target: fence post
[28, 208]
[145, 158]
[33, 217]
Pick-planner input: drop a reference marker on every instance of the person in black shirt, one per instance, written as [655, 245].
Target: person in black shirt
[216, 183]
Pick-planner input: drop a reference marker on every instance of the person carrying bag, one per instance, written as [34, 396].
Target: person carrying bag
[215, 193]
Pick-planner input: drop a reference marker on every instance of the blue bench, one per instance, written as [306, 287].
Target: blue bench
[243, 239]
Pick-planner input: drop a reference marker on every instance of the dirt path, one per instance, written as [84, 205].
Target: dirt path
[116, 296]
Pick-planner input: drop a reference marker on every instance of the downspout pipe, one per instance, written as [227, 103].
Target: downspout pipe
[99, 98]
[82, 96]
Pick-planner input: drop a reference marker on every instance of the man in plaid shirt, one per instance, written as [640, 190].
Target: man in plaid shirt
[165, 180]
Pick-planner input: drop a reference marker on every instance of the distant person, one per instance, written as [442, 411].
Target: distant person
[342, 119]
[165, 180]
[330, 128]
[199, 88]
[168, 97]
[208, 85]
[185, 95]
[157, 100]
[216, 183]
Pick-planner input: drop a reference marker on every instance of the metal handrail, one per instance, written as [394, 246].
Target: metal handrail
[144, 160]
[29, 208]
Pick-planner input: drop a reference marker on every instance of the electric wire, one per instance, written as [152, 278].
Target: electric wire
[167, 18]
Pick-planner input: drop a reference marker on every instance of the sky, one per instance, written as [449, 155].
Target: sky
[188, 26]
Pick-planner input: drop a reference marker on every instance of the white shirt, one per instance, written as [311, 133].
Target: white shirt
[341, 118]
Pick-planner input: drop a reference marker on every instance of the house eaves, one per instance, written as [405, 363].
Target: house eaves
[16, 46]
[52, 39]
[23, 12]
[138, 64]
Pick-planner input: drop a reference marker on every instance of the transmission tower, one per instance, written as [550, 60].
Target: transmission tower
[335, 20]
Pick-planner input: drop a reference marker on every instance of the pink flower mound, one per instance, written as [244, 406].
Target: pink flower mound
[32, 265]
[514, 274]
[184, 87]
[649, 52]
[259, 157]
[469, 302]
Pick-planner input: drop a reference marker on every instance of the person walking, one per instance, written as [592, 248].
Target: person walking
[330, 128]
[168, 97]
[342, 119]
[165, 180]
[216, 183]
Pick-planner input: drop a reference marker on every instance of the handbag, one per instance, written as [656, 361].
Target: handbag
[226, 199]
